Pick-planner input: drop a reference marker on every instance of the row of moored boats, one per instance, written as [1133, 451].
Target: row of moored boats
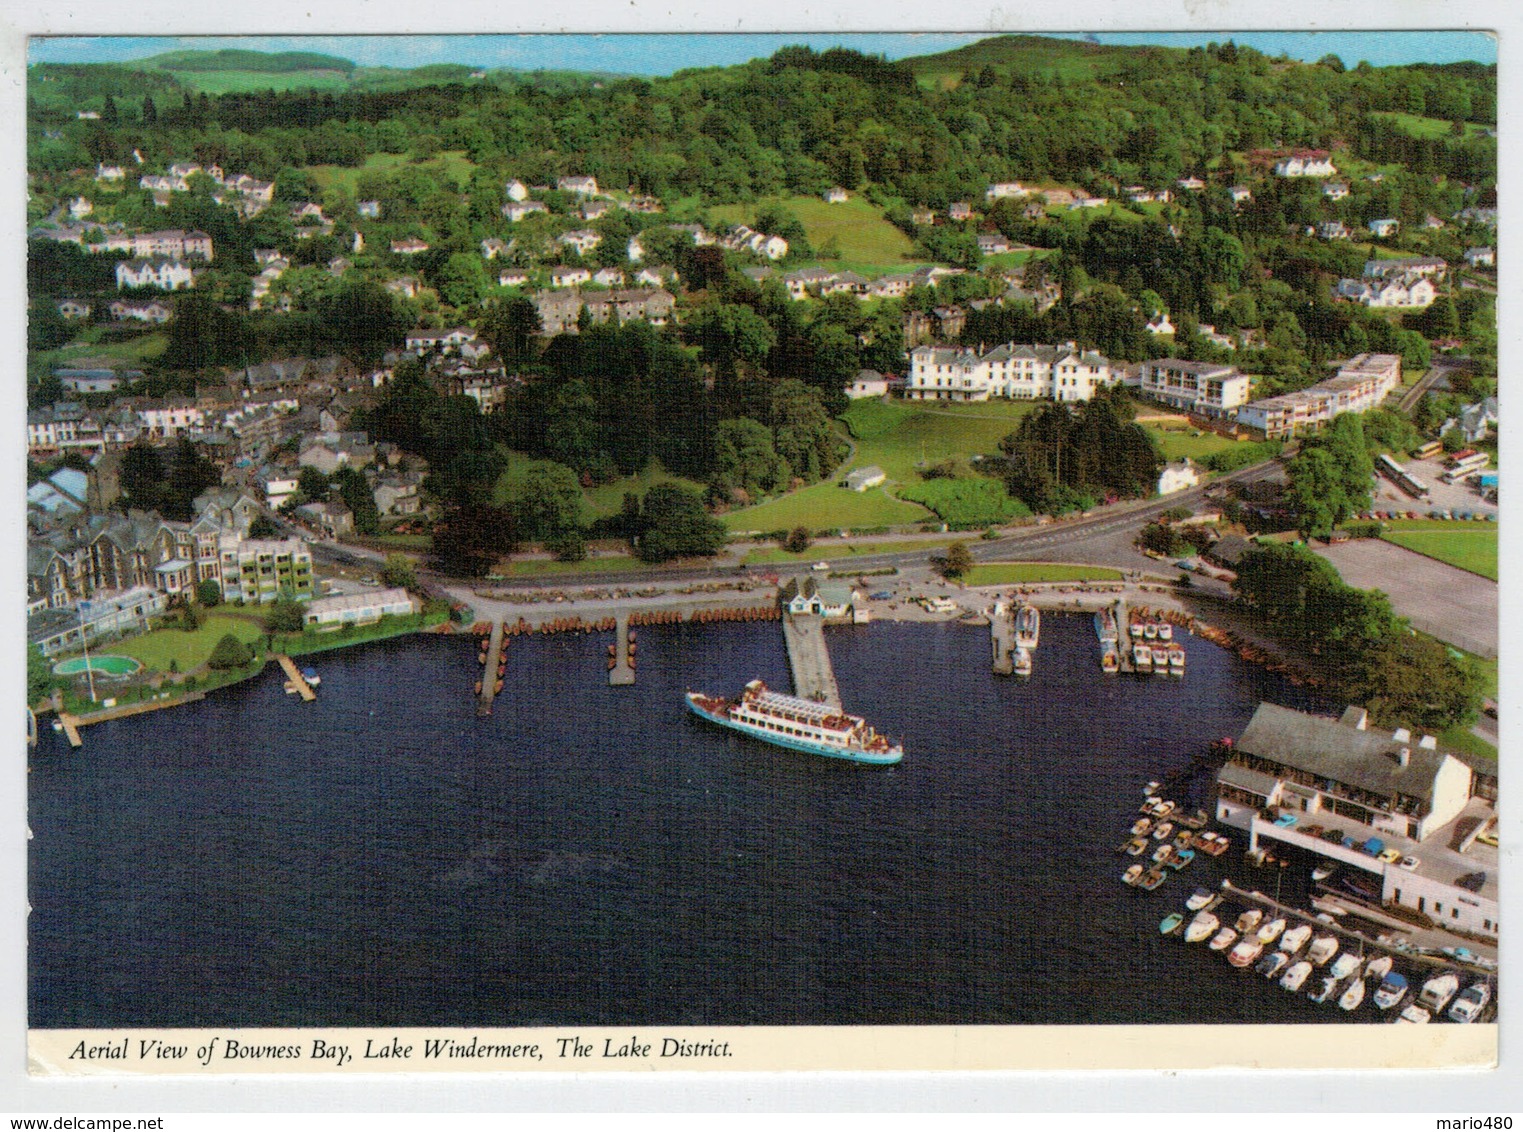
[1168, 838]
[1150, 644]
[1304, 959]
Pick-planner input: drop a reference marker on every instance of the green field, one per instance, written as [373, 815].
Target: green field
[861, 233]
[451, 163]
[608, 499]
[1468, 545]
[1420, 127]
[1177, 441]
[900, 439]
[144, 348]
[229, 82]
[1044, 56]
[1021, 573]
[603, 565]
[189, 650]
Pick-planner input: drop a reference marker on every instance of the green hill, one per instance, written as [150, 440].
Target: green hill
[1036, 54]
[239, 59]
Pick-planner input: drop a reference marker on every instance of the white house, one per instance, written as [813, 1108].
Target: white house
[326, 614]
[1335, 190]
[165, 274]
[582, 239]
[867, 383]
[1407, 291]
[1192, 184]
[634, 250]
[1481, 257]
[1160, 324]
[410, 246]
[1383, 227]
[1240, 194]
[864, 478]
[992, 244]
[569, 276]
[370, 209]
[516, 190]
[1198, 387]
[491, 247]
[513, 277]
[582, 186]
[1004, 189]
[516, 210]
[1017, 372]
[835, 195]
[1177, 476]
[1306, 163]
[1360, 384]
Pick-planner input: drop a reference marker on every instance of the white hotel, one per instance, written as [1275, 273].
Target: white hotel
[1361, 383]
[1020, 373]
[1203, 388]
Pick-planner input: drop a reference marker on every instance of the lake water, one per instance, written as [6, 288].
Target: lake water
[598, 855]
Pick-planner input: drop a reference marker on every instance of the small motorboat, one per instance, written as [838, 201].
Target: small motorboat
[1165, 631]
[1176, 659]
[1414, 1015]
[1438, 990]
[1353, 996]
[1245, 952]
[1133, 874]
[1223, 939]
[1152, 788]
[1142, 658]
[1347, 964]
[1322, 949]
[1199, 899]
[1162, 831]
[1324, 870]
[1201, 928]
[1170, 923]
[1272, 964]
[1150, 631]
[1136, 846]
[1295, 939]
[1468, 1006]
[1180, 859]
[1151, 879]
[1142, 827]
[1293, 979]
[1022, 661]
[1324, 990]
[1163, 809]
[1163, 854]
[1183, 839]
[1249, 921]
[1197, 820]
[1391, 991]
[1272, 930]
[1378, 968]
[1151, 803]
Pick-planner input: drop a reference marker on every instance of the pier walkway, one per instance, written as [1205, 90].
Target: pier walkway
[71, 728]
[489, 672]
[1002, 635]
[293, 674]
[622, 674]
[1123, 637]
[813, 676]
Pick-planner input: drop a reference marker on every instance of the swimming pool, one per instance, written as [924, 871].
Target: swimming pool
[102, 665]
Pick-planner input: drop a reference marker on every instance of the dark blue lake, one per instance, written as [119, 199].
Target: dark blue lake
[599, 856]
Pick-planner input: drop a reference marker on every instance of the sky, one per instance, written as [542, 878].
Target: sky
[663, 54]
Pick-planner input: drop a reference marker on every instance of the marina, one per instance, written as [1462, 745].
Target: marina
[595, 827]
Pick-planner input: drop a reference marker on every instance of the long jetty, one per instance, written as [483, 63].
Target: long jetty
[1002, 638]
[813, 676]
[1123, 637]
[622, 674]
[293, 674]
[489, 672]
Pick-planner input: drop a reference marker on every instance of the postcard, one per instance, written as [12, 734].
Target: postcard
[764, 552]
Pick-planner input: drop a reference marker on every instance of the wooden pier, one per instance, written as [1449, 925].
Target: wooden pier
[71, 728]
[489, 671]
[1123, 637]
[1002, 638]
[622, 674]
[813, 676]
[293, 674]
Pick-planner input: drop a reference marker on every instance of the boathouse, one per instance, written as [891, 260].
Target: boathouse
[328, 613]
[830, 600]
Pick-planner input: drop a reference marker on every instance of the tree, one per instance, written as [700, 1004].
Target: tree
[1414, 680]
[312, 483]
[230, 652]
[208, 592]
[802, 432]
[745, 459]
[462, 280]
[357, 495]
[399, 571]
[39, 674]
[798, 540]
[470, 538]
[957, 561]
[674, 525]
[509, 327]
[285, 616]
[263, 527]
[549, 505]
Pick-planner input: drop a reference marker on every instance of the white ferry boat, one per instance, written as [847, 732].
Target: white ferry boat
[797, 724]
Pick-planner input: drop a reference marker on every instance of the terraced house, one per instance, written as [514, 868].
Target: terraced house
[1018, 372]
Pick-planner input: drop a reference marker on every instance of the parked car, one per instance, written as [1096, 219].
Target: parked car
[1390, 856]
[1285, 820]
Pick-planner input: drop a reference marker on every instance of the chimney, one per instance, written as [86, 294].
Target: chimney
[1401, 735]
[1404, 756]
[1428, 743]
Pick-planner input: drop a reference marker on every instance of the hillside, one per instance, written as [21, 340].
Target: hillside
[234, 59]
[1031, 54]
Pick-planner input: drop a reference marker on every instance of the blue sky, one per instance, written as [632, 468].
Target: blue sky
[663, 54]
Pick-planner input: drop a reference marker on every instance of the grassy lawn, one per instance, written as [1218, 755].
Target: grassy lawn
[858, 228]
[839, 551]
[143, 348]
[601, 565]
[608, 499]
[1176, 441]
[225, 82]
[1005, 261]
[156, 649]
[1021, 573]
[1469, 545]
[826, 506]
[899, 439]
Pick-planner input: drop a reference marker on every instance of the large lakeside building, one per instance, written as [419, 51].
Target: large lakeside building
[1203, 388]
[1290, 769]
[1360, 384]
[1018, 372]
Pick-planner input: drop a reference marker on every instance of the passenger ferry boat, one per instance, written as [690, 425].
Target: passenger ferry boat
[797, 724]
[1105, 626]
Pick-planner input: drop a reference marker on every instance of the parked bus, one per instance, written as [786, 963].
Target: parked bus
[1466, 465]
[1427, 451]
[1401, 477]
